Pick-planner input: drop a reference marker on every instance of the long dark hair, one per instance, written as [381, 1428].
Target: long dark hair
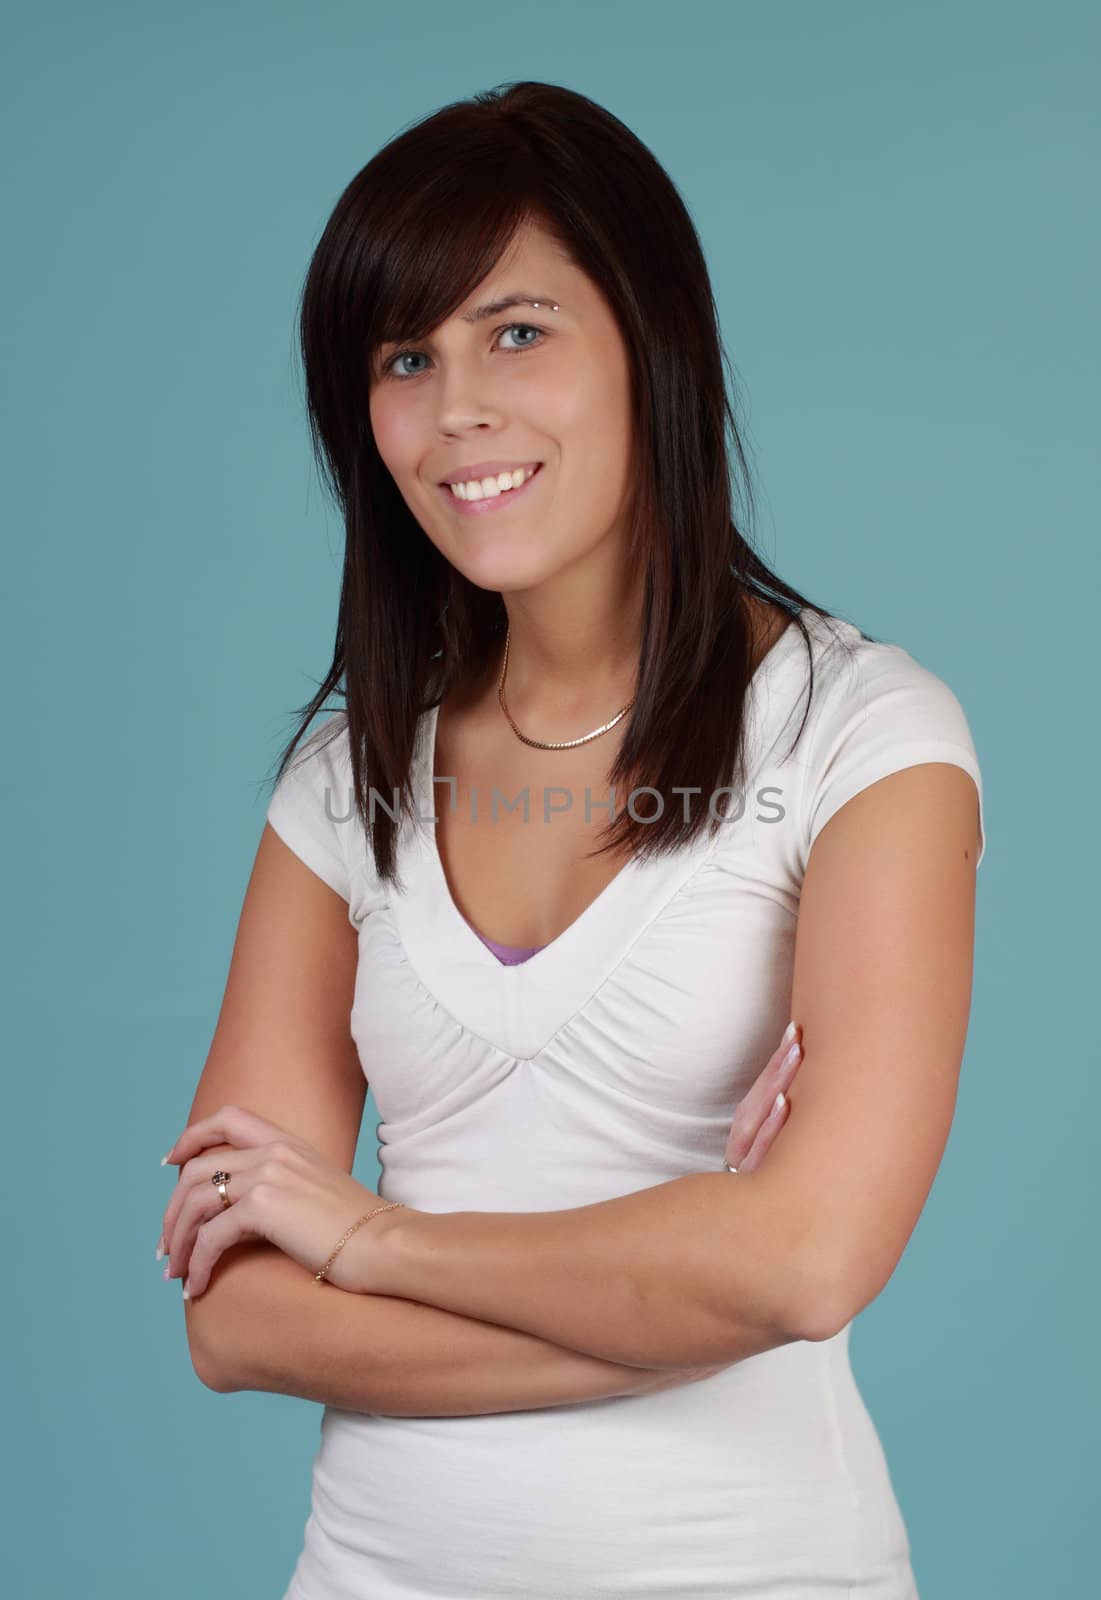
[409, 240]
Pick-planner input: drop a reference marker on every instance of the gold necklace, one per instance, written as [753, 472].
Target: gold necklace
[559, 744]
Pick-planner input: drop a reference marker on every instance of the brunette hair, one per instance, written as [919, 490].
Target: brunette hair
[410, 238]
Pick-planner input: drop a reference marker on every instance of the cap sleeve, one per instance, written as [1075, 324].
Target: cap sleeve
[310, 805]
[883, 713]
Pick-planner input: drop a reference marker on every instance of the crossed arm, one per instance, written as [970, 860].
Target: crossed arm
[707, 1269]
[712, 1269]
[282, 1334]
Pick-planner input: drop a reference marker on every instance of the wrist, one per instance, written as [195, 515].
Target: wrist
[378, 1253]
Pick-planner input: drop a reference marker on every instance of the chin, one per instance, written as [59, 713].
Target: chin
[505, 571]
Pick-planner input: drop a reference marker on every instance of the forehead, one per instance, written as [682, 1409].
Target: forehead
[531, 246]
[533, 267]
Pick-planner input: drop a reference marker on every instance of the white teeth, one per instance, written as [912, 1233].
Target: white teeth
[480, 489]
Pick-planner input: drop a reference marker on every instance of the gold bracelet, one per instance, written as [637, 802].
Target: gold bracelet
[319, 1276]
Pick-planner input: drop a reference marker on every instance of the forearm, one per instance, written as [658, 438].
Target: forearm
[265, 1324]
[700, 1271]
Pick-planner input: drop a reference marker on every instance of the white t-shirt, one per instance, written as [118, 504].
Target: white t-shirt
[611, 1061]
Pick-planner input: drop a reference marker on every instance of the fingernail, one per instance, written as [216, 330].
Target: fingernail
[160, 1250]
[164, 1159]
[186, 1292]
[789, 1033]
[778, 1103]
[792, 1057]
[167, 1270]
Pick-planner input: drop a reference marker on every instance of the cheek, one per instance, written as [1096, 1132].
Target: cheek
[590, 416]
[597, 444]
[395, 436]
[380, 430]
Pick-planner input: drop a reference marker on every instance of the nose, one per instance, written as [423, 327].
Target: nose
[466, 400]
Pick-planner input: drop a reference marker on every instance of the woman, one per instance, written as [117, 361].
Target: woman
[573, 1355]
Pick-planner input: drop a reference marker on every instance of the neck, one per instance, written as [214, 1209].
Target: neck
[571, 666]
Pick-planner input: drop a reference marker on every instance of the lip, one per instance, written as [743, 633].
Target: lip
[491, 502]
[486, 469]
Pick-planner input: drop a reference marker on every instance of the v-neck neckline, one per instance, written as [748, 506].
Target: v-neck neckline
[440, 875]
[518, 1006]
[426, 791]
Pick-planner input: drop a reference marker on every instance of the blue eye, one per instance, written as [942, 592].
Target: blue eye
[526, 327]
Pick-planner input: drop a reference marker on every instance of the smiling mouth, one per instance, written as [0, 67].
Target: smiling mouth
[495, 500]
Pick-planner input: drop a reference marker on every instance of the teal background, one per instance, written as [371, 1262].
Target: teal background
[899, 207]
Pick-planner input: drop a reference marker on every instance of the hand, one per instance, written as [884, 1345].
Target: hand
[281, 1189]
[763, 1111]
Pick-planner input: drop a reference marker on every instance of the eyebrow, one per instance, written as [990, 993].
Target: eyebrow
[515, 297]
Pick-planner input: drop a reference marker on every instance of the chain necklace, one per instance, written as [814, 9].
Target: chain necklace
[560, 744]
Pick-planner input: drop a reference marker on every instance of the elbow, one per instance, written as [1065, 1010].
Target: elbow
[830, 1303]
[222, 1323]
[822, 1302]
[208, 1362]
[807, 1292]
[212, 1376]
[822, 1319]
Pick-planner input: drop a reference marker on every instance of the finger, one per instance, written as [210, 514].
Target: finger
[196, 1171]
[195, 1198]
[767, 1134]
[229, 1125]
[769, 1080]
[204, 1207]
[754, 1109]
[196, 1210]
[226, 1155]
[756, 1141]
[213, 1237]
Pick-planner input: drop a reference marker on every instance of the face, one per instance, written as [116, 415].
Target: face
[526, 385]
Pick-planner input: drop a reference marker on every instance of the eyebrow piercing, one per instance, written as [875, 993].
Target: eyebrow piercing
[537, 303]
